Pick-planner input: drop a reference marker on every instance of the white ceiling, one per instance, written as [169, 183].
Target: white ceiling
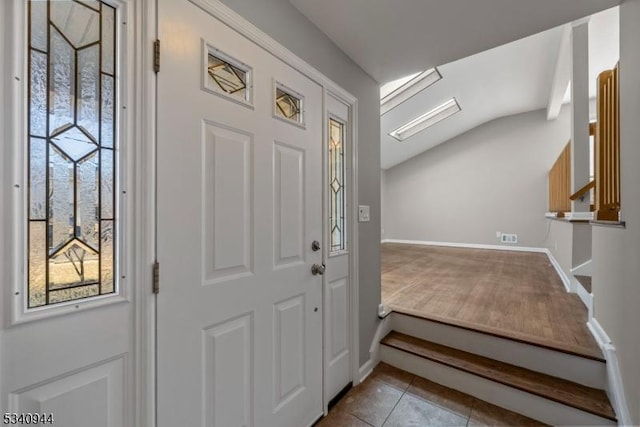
[506, 80]
[509, 79]
[390, 39]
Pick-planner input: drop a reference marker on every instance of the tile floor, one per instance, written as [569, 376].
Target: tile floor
[395, 398]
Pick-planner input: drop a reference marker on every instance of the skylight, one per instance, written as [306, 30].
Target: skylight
[396, 92]
[426, 120]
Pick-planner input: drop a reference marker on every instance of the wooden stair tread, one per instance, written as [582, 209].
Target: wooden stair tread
[585, 281]
[578, 396]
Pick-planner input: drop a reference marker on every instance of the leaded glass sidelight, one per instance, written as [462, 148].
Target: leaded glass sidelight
[71, 161]
[337, 198]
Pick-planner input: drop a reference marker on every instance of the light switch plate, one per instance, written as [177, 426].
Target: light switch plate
[363, 213]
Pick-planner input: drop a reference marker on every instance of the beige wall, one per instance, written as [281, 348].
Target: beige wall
[616, 253]
[288, 26]
[569, 243]
[492, 178]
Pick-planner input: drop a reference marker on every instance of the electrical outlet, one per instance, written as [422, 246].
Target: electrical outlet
[363, 213]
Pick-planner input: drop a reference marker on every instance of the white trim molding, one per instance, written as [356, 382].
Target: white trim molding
[584, 269]
[563, 276]
[615, 387]
[598, 333]
[467, 245]
[578, 216]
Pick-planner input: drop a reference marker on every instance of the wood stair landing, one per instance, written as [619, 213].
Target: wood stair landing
[587, 399]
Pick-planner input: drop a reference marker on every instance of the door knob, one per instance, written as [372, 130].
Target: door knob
[317, 269]
[315, 246]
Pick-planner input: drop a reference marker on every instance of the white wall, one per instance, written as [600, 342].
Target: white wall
[616, 252]
[492, 178]
[288, 26]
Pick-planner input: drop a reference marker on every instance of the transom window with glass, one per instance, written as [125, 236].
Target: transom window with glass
[288, 104]
[337, 194]
[71, 151]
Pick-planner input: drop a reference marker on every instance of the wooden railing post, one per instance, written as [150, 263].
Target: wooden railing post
[560, 183]
[607, 147]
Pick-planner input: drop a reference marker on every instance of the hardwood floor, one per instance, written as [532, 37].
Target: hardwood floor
[511, 294]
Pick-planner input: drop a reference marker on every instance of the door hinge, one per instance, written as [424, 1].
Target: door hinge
[156, 56]
[156, 277]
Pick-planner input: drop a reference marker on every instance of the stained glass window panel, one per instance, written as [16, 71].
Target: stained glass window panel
[227, 77]
[63, 84]
[108, 38]
[38, 94]
[337, 200]
[87, 215]
[37, 263]
[72, 206]
[288, 106]
[107, 254]
[89, 88]
[108, 102]
[79, 23]
[38, 178]
[106, 184]
[39, 25]
[75, 264]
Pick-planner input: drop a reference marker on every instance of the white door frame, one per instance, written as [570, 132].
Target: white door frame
[146, 303]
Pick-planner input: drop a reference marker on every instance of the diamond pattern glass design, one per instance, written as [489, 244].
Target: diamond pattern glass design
[71, 162]
[337, 200]
[227, 77]
[288, 106]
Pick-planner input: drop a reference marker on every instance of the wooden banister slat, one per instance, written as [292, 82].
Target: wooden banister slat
[607, 147]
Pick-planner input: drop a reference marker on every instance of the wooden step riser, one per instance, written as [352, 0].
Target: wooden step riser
[578, 369]
[524, 403]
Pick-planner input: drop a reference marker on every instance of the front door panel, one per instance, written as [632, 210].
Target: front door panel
[239, 203]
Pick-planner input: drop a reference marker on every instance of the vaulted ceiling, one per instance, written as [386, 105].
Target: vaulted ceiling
[497, 57]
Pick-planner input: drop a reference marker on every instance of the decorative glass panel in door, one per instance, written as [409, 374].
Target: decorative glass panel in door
[71, 145]
[336, 186]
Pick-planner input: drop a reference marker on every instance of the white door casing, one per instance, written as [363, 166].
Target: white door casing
[337, 284]
[72, 360]
[239, 203]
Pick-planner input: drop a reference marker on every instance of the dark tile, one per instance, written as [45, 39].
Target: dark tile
[392, 376]
[371, 401]
[412, 411]
[486, 414]
[337, 418]
[445, 397]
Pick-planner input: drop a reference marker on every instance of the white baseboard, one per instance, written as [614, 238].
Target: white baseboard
[467, 245]
[565, 279]
[585, 297]
[615, 386]
[384, 327]
[598, 333]
[366, 369]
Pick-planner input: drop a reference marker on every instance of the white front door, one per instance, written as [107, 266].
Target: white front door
[239, 204]
[66, 343]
